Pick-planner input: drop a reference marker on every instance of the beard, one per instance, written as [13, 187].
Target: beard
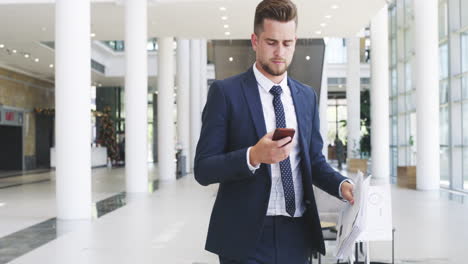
[271, 69]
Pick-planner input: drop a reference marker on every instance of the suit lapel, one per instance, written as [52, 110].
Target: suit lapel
[250, 88]
[303, 117]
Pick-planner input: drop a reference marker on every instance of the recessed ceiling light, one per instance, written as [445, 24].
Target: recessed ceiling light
[44, 28]
[222, 8]
[51, 65]
[227, 33]
[328, 16]
[14, 51]
[323, 24]
[340, 86]
[334, 6]
[226, 26]
[2, 204]
[318, 32]
[307, 57]
[231, 58]
[93, 35]
[224, 17]
[36, 60]
[99, 84]
[2, 46]
[26, 55]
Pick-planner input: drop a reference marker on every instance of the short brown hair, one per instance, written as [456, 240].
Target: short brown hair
[278, 10]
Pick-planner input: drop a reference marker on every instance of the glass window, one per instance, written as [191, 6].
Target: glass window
[444, 166]
[444, 126]
[443, 91]
[465, 124]
[464, 51]
[408, 41]
[464, 12]
[465, 169]
[408, 77]
[443, 61]
[394, 82]
[443, 21]
[464, 82]
[394, 135]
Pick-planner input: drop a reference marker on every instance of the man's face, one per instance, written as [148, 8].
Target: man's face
[275, 45]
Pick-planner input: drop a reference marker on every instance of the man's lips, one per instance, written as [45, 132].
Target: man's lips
[278, 61]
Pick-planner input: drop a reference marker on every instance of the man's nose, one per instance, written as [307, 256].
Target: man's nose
[279, 51]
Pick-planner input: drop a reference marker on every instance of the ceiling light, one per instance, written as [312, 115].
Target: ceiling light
[93, 35]
[14, 51]
[2, 204]
[26, 55]
[318, 32]
[231, 58]
[328, 16]
[307, 57]
[323, 24]
[226, 26]
[227, 33]
[340, 86]
[51, 65]
[2, 46]
[99, 85]
[222, 8]
[36, 60]
[334, 6]
[224, 17]
[44, 28]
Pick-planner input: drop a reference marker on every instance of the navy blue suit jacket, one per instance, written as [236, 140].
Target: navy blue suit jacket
[232, 122]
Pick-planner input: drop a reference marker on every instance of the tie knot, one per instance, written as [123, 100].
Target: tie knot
[276, 90]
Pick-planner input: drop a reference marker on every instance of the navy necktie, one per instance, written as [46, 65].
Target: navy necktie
[285, 165]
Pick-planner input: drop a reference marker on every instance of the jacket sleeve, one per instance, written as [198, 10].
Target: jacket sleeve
[323, 175]
[213, 162]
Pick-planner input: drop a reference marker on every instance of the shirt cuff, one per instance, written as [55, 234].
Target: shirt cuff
[251, 168]
[339, 188]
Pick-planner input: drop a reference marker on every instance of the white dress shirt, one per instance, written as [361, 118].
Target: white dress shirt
[276, 204]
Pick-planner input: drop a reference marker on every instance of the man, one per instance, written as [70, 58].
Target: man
[265, 209]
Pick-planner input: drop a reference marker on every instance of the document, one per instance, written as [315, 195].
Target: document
[352, 218]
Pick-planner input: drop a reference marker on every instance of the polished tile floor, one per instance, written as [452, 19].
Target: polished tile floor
[169, 225]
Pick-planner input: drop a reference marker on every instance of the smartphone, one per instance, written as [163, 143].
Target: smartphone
[281, 133]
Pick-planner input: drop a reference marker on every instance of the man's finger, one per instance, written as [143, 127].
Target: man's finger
[283, 141]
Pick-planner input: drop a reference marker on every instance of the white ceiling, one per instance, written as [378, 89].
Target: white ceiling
[26, 22]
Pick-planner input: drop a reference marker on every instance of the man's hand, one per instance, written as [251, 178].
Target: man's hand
[347, 192]
[268, 151]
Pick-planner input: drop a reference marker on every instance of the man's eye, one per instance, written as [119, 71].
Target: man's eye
[271, 43]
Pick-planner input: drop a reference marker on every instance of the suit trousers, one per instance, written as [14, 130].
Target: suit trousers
[284, 240]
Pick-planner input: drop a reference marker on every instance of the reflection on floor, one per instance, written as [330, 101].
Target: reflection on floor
[169, 225]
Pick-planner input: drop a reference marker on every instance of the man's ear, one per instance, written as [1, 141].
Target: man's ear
[254, 40]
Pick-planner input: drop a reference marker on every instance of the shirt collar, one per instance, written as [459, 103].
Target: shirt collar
[266, 83]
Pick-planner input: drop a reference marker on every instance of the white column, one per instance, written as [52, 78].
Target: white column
[323, 105]
[136, 96]
[380, 140]
[195, 117]
[353, 97]
[73, 109]
[183, 98]
[426, 45]
[166, 128]
[203, 74]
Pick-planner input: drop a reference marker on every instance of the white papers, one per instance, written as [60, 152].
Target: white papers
[379, 214]
[352, 218]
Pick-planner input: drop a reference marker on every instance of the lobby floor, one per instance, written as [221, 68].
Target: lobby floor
[169, 225]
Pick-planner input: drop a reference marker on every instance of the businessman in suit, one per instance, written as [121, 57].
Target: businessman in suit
[265, 210]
